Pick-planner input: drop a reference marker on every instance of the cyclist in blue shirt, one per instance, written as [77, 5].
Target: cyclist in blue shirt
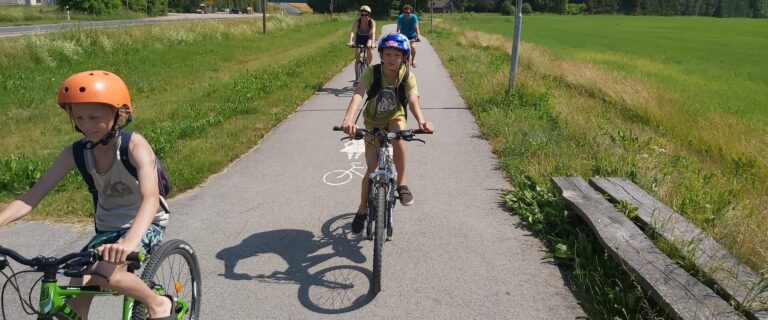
[408, 24]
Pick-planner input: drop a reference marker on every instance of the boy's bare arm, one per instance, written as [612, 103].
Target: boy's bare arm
[143, 158]
[413, 102]
[357, 98]
[24, 203]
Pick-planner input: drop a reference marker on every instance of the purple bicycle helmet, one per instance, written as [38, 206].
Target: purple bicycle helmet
[397, 41]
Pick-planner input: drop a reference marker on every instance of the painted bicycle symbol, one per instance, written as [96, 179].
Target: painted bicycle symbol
[339, 177]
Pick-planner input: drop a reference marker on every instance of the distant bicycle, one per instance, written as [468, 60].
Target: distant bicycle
[361, 62]
[172, 269]
[381, 194]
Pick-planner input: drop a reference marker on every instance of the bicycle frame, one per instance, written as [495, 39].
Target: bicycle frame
[386, 175]
[53, 297]
[53, 300]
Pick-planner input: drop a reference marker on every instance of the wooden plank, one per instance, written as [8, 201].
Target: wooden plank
[673, 288]
[743, 285]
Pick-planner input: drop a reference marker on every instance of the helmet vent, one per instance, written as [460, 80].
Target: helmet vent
[82, 89]
[66, 89]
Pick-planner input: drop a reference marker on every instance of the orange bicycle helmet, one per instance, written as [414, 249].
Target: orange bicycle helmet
[97, 86]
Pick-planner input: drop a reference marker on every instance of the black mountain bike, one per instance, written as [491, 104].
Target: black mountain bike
[382, 185]
[172, 269]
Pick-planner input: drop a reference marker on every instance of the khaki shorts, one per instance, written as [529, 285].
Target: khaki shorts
[395, 124]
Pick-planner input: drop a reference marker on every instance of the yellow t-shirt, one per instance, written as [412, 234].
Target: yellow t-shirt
[385, 105]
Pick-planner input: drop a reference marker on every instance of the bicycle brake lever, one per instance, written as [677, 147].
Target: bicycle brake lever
[345, 138]
[3, 262]
[419, 140]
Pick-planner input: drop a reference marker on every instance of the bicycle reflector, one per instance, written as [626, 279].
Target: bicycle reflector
[177, 286]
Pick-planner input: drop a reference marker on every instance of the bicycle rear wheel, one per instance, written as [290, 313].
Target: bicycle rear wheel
[378, 238]
[173, 269]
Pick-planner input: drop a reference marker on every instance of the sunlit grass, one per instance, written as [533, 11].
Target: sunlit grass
[196, 87]
[16, 15]
[573, 117]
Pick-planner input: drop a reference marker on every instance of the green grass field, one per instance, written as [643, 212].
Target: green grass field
[196, 87]
[673, 104]
[13, 15]
[713, 70]
[716, 65]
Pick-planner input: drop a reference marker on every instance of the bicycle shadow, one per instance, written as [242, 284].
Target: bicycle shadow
[333, 290]
[342, 92]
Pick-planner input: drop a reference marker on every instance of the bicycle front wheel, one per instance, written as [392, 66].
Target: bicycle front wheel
[378, 239]
[359, 66]
[173, 269]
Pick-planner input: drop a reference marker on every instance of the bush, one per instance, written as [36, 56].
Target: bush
[526, 8]
[507, 9]
[97, 7]
[576, 8]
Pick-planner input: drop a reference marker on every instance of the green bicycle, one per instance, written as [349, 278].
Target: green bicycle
[172, 269]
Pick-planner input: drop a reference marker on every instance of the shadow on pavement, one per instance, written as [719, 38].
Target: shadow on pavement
[343, 92]
[332, 290]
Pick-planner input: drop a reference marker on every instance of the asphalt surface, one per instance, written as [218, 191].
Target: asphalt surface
[272, 231]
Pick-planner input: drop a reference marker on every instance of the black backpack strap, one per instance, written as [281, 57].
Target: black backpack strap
[401, 96]
[373, 90]
[78, 152]
[125, 140]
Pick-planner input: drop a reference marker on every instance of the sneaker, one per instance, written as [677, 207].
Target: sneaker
[406, 198]
[413, 65]
[358, 223]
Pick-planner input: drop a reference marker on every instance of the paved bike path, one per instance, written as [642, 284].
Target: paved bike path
[272, 235]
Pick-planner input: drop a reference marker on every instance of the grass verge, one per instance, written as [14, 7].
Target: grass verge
[572, 118]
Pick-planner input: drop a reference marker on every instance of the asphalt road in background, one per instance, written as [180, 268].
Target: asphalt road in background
[272, 230]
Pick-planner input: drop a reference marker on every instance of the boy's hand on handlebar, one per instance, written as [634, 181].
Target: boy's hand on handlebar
[427, 126]
[114, 252]
[349, 127]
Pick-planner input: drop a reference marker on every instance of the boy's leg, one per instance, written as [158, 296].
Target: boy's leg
[371, 166]
[413, 54]
[131, 285]
[399, 157]
[82, 304]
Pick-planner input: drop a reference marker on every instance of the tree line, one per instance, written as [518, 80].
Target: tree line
[710, 8]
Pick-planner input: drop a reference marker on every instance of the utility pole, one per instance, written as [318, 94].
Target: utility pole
[431, 13]
[264, 16]
[515, 44]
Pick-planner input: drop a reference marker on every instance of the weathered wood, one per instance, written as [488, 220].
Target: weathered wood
[674, 289]
[743, 285]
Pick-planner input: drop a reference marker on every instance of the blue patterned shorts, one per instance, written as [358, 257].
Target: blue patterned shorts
[151, 238]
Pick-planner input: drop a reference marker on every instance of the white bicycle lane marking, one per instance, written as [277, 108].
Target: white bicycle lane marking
[353, 149]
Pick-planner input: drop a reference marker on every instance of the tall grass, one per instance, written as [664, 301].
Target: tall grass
[15, 15]
[196, 87]
[570, 117]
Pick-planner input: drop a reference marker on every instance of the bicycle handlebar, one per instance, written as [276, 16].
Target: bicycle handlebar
[359, 46]
[406, 135]
[73, 259]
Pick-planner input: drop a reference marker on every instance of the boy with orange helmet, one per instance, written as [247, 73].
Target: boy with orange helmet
[128, 214]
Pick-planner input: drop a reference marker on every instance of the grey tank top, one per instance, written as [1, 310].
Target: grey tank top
[119, 195]
[364, 29]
